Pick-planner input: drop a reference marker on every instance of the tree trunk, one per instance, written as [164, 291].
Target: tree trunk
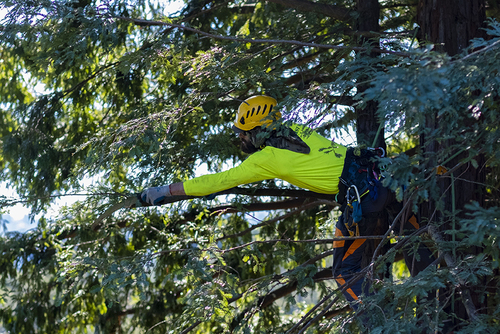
[450, 25]
[369, 131]
[368, 127]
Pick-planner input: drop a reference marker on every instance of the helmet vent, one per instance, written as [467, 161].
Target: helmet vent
[254, 112]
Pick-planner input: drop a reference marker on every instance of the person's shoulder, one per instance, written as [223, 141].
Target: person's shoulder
[261, 154]
[311, 136]
[268, 156]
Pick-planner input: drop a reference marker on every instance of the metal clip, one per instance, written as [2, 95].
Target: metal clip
[349, 201]
[377, 148]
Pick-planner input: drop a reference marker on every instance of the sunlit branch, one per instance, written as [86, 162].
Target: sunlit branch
[93, 76]
[134, 201]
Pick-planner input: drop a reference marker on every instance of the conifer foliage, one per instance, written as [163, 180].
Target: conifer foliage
[105, 98]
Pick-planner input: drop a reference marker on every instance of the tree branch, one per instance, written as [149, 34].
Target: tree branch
[273, 241]
[253, 207]
[260, 41]
[134, 200]
[93, 76]
[271, 221]
[333, 11]
[270, 298]
[258, 192]
[334, 313]
[280, 205]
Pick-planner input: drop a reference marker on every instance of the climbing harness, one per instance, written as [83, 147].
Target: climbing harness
[361, 175]
[354, 205]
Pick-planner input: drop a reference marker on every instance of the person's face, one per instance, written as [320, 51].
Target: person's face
[246, 145]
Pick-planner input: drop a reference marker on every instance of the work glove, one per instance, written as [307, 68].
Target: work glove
[155, 195]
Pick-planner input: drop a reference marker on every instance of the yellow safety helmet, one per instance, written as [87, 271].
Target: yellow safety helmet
[254, 111]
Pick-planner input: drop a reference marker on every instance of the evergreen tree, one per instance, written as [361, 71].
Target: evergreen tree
[120, 93]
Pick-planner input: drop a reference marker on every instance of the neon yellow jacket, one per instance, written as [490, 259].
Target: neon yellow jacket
[318, 171]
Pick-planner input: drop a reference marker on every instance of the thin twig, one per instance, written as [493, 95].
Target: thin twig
[94, 75]
[317, 241]
[356, 277]
[396, 219]
[156, 325]
[193, 326]
[451, 263]
[481, 51]
[26, 199]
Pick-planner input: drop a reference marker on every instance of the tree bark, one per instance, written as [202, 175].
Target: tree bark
[450, 25]
[369, 131]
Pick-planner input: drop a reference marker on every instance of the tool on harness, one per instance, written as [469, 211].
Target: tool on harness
[360, 169]
[360, 176]
[355, 204]
[352, 212]
[375, 149]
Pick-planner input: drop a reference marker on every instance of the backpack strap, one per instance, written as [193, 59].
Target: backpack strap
[360, 170]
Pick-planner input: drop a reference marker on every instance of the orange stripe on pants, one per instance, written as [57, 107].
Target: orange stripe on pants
[413, 221]
[355, 245]
[341, 281]
[339, 243]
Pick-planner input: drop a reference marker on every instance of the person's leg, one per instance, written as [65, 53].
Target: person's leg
[348, 253]
[347, 262]
[416, 260]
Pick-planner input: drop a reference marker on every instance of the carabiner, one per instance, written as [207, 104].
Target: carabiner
[357, 193]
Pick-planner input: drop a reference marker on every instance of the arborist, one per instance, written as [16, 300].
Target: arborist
[302, 157]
